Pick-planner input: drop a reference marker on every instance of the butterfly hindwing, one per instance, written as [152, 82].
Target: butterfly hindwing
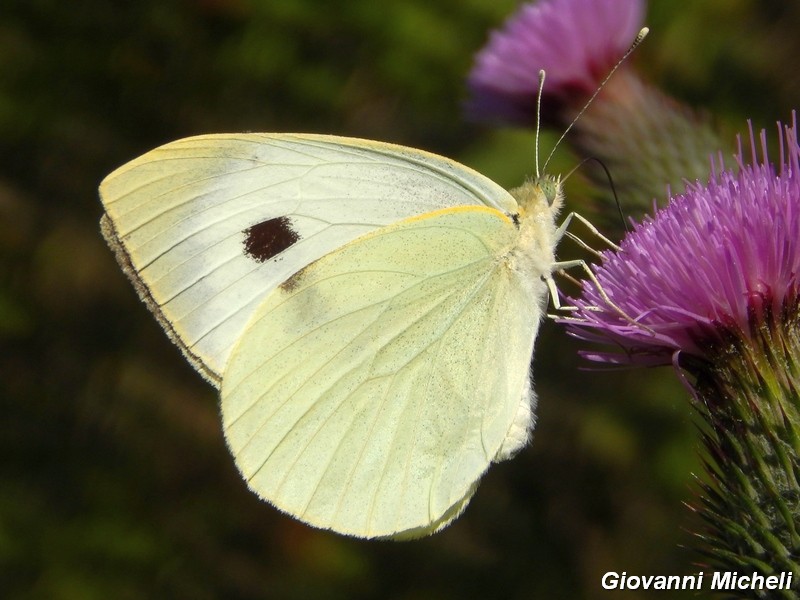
[370, 391]
[207, 227]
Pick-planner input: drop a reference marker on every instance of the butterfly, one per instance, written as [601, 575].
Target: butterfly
[368, 312]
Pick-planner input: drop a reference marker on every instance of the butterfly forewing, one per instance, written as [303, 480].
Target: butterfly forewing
[370, 391]
[207, 227]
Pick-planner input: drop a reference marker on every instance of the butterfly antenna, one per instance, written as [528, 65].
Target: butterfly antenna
[640, 36]
[538, 118]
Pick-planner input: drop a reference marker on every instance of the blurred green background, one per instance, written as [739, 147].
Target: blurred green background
[115, 481]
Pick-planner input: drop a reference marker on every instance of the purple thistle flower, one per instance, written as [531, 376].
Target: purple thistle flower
[575, 41]
[720, 259]
[710, 284]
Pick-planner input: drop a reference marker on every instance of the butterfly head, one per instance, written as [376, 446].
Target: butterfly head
[539, 198]
[550, 187]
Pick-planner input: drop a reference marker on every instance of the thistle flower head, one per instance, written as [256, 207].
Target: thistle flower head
[710, 283]
[575, 41]
[720, 259]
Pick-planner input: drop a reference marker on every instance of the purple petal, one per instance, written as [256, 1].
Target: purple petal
[717, 257]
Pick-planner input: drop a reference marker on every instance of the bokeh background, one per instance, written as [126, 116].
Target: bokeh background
[115, 481]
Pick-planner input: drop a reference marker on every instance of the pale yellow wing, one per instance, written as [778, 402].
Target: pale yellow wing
[370, 392]
[207, 226]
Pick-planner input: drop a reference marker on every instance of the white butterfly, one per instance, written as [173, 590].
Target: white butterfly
[368, 312]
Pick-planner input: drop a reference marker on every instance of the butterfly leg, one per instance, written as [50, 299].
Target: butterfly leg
[554, 295]
[560, 267]
[562, 231]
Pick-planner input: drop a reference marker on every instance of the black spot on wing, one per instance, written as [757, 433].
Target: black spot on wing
[269, 238]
